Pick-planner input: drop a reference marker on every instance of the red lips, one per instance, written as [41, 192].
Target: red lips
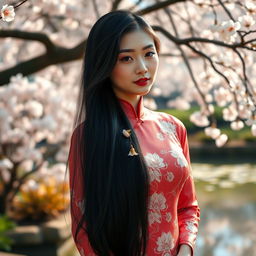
[142, 81]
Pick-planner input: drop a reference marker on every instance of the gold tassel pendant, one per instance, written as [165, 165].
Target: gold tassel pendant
[132, 151]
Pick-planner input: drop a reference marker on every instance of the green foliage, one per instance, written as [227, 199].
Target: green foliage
[5, 225]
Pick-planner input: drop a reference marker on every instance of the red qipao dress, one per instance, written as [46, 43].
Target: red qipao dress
[173, 211]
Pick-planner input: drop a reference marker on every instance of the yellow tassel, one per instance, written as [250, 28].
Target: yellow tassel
[132, 151]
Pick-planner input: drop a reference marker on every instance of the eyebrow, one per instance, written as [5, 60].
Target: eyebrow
[132, 50]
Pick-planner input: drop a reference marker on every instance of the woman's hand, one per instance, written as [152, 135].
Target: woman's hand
[185, 250]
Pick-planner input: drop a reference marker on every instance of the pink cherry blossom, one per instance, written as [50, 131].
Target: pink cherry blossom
[253, 129]
[230, 113]
[237, 125]
[227, 30]
[5, 164]
[250, 7]
[179, 103]
[7, 13]
[222, 96]
[213, 132]
[199, 119]
[246, 21]
[35, 108]
[221, 140]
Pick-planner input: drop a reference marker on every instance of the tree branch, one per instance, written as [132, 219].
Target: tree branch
[194, 39]
[135, 5]
[215, 69]
[96, 9]
[21, 181]
[115, 4]
[34, 36]
[186, 61]
[158, 6]
[54, 56]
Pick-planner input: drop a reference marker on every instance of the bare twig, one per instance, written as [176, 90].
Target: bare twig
[186, 59]
[135, 5]
[115, 4]
[21, 180]
[215, 69]
[95, 7]
[246, 79]
[158, 6]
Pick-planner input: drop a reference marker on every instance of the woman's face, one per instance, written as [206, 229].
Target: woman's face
[137, 59]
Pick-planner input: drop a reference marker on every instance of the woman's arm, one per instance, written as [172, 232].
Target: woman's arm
[188, 209]
[184, 250]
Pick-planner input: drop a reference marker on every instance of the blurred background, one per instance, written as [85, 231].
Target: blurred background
[206, 79]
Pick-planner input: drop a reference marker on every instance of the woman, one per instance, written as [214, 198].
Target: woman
[132, 192]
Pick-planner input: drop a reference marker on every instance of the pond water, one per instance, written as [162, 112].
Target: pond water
[227, 198]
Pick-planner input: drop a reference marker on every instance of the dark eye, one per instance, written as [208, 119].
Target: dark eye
[150, 54]
[125, 59]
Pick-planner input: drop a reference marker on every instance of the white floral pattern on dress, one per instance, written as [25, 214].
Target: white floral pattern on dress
[169, 176]
[177, 152]
[80, 205]
[81, 251]
[168, 217]
[154, 217]
[191, 227]
[154, 163]
[160, 136]
[165, 243]
[167, 127]
[157, 202]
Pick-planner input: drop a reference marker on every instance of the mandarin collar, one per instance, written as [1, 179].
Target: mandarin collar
[130, 110]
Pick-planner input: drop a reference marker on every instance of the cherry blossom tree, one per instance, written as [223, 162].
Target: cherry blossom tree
[207, 58]
[32, 133]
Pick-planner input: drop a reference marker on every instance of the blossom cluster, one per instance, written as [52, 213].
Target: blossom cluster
[35, 126]
[237, 101]
[232, 88]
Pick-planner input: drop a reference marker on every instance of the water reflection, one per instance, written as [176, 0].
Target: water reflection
[227, 197]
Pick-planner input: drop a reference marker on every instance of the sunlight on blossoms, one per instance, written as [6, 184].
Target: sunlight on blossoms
[251, 7]
[199, 119]
[227, 30]
[221, 140]
[179, 103]
[246, 21]
[36, 121]
[7, 13]
[213, 132]
[237, 125]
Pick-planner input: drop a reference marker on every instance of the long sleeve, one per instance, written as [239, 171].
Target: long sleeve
[77, 200]
[188, 209]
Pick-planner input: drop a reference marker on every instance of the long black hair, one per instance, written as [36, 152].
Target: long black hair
[116, 186]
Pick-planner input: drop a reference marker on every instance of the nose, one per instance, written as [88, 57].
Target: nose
[141, 67]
